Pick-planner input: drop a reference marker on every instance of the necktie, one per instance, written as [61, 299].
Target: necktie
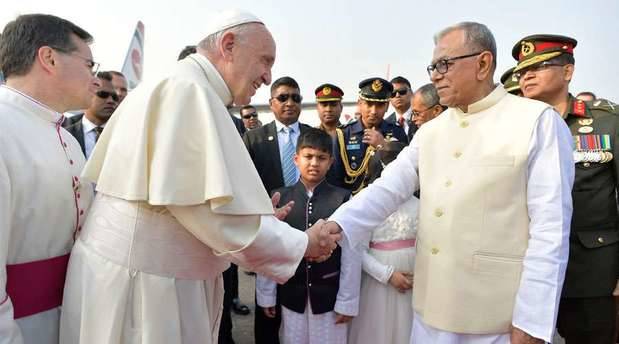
[98, 130]
[288, 168]
[401, 121]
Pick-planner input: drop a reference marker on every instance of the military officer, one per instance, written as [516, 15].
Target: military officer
[587, 308]
[329, 107]
[356, 141]
[510, 82]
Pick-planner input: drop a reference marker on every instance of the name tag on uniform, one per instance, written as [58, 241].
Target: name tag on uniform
[353, 147]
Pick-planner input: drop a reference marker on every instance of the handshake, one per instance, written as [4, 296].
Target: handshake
[322, 240]
[322, 236]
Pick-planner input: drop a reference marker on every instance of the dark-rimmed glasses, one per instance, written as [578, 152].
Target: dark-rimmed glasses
[442, 66]
[282, 98]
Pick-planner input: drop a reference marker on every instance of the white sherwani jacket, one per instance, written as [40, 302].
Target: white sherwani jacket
[550, 175]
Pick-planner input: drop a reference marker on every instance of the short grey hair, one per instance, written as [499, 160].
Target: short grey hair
[477, 36]
[429, 95]
[211, 42]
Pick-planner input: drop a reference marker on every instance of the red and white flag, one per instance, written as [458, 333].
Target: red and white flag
[133, 68]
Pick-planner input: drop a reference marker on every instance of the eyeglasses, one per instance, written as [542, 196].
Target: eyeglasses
[442, 66]
[94, 66]
[418, 113]
[537, 68]
[282, 98]
[250, 115]
[106, 94]
[401, 91]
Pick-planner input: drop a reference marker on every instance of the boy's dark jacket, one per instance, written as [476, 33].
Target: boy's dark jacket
[321, 279]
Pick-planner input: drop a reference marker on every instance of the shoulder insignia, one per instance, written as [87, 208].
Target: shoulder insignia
[579, 108]
[604, 105]
[349, 123]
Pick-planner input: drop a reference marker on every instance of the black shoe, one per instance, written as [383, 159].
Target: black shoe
[239, 308]
[226, 340]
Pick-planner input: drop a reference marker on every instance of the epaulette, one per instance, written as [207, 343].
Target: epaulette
[579, 108]
[351, 122]
[604, 105]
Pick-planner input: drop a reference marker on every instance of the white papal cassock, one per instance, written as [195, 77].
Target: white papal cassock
[458, 251]
[42, 205]
[178, 198]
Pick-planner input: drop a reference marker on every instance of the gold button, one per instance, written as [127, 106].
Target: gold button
[353, 158]
[464, 124]
[438, 212]
[434, 250]
[457, 155]
[448, 183]
[601, 240]
[586, 164]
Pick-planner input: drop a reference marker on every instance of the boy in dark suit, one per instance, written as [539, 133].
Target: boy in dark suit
[321, 298]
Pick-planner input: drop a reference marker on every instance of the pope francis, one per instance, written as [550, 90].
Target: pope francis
[178, 198]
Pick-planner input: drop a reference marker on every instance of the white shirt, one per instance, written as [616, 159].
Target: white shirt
[90, 136]
[550, 178]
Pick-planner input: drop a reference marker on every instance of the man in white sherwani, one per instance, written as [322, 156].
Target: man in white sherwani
[495, 173]
[177, 199]
[43, 202]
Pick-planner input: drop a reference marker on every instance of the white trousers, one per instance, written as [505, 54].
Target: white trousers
[424, 334]
[309, 328]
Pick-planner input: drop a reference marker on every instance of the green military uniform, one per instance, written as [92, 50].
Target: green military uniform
[593, 265]
[510, 82]
[587, 308]
[351, 154]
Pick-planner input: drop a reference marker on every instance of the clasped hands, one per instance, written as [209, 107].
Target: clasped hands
[322, 236]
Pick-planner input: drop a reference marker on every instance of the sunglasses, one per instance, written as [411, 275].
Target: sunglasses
[282, 98]
[106, 94]
[402, 92]
[250, 115]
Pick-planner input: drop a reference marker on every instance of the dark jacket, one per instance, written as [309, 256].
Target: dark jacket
[73, 125]
[263, 147]
[320, 280]
[238, 123]
[412, 127]
[593, 266]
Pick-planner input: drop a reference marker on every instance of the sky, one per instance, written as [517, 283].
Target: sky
[344, 42]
